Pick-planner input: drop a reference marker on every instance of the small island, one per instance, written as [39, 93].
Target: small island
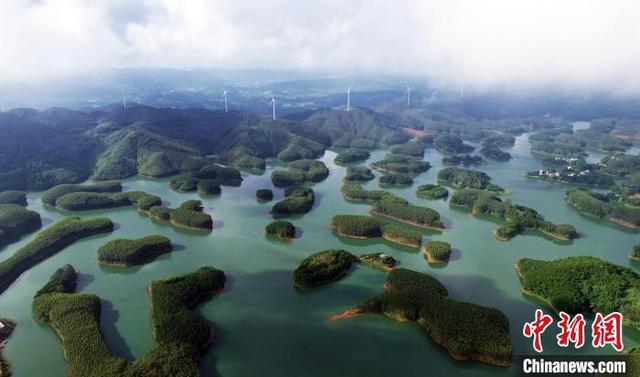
[422, 217]
[396, 180]
[281, 229]
[601, 206]
[462, 159]
[568, 284]
[518, 219]
[363, 227]
[322, 268]
[436, 252]
[188, 215]
[47, 243]
[413, 148]
[86, 201]
[635, 253]
[451, 144]
[432, 192]
[297, 200]
[189, 184]
[459, 178]
[467, 331]
[351, 155]
[299, 172]
[378, 260]
[495, 153]
[264, 195]
[356, 193]
[17, 221]
[13, 197]
[181, 335]
[51, 195]
[130, 252]
[401, 164]
[358, 174]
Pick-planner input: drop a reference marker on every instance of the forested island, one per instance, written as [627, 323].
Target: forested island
[358, 174]
[436, 252]
[351, 155]
[13, 197]
[635, 252]
[459, 178]
[356, 193]
[281, 229]
[48, 242]
[264, 195]
[188, 215]
[413, 148]
[467, 331]
[451, 144]
[362, 227]
[401, 164]
[181, 335]
[378, 260]
[17, 221]
[97, 196]
[603, 206]
[399, 179]
[583, 284]
[462, 159]
[299, 172]
[125, 252]
[433, 192]
[322, 268]
[186, 183]
[518, 219]
[422, 217]
[297, 200]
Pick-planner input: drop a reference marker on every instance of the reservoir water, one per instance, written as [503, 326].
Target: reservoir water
[267, 328]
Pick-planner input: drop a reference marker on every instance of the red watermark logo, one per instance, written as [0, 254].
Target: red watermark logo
[605, 330]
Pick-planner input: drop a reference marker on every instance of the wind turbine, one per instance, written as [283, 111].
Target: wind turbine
[408, 96]
[348, 98]
[226, 108]
[273, 108]
[124, 100]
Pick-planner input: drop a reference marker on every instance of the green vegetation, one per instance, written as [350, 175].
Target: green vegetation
[16, 221]
[413, 148]
[322, 268]
[395, 163]
[282, 229]
[48, 242]
[357, 193]
[518, 219]
[423, 217]
[65, 279]
[495, 153]
[601, 206]
[124, 252]
[299, 172]
[468, 331]
[583, 284]
[351, 155]
[180, 334]
[225, 176]
[432, 192]
[297, 200]
[188, 215]
[437, 251]
[53, 194]
[299, 148]
[5, 333]
[13, 197]
[635, 253]
[459, 178]
[450, 144]
[378, 260]
[462, 159]
[395, 180]
[187, 184]
[356, 174]
[264, 195]
[361, 227]
[83, 201]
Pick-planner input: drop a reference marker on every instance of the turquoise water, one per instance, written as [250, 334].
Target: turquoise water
[265, 327]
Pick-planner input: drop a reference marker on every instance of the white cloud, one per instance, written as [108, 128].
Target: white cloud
[579, 43]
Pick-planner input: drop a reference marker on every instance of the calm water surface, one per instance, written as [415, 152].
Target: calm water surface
[264, 326]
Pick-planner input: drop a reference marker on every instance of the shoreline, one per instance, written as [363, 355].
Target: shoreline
[408, 222]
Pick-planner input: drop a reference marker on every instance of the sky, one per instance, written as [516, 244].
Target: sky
[572, 43]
